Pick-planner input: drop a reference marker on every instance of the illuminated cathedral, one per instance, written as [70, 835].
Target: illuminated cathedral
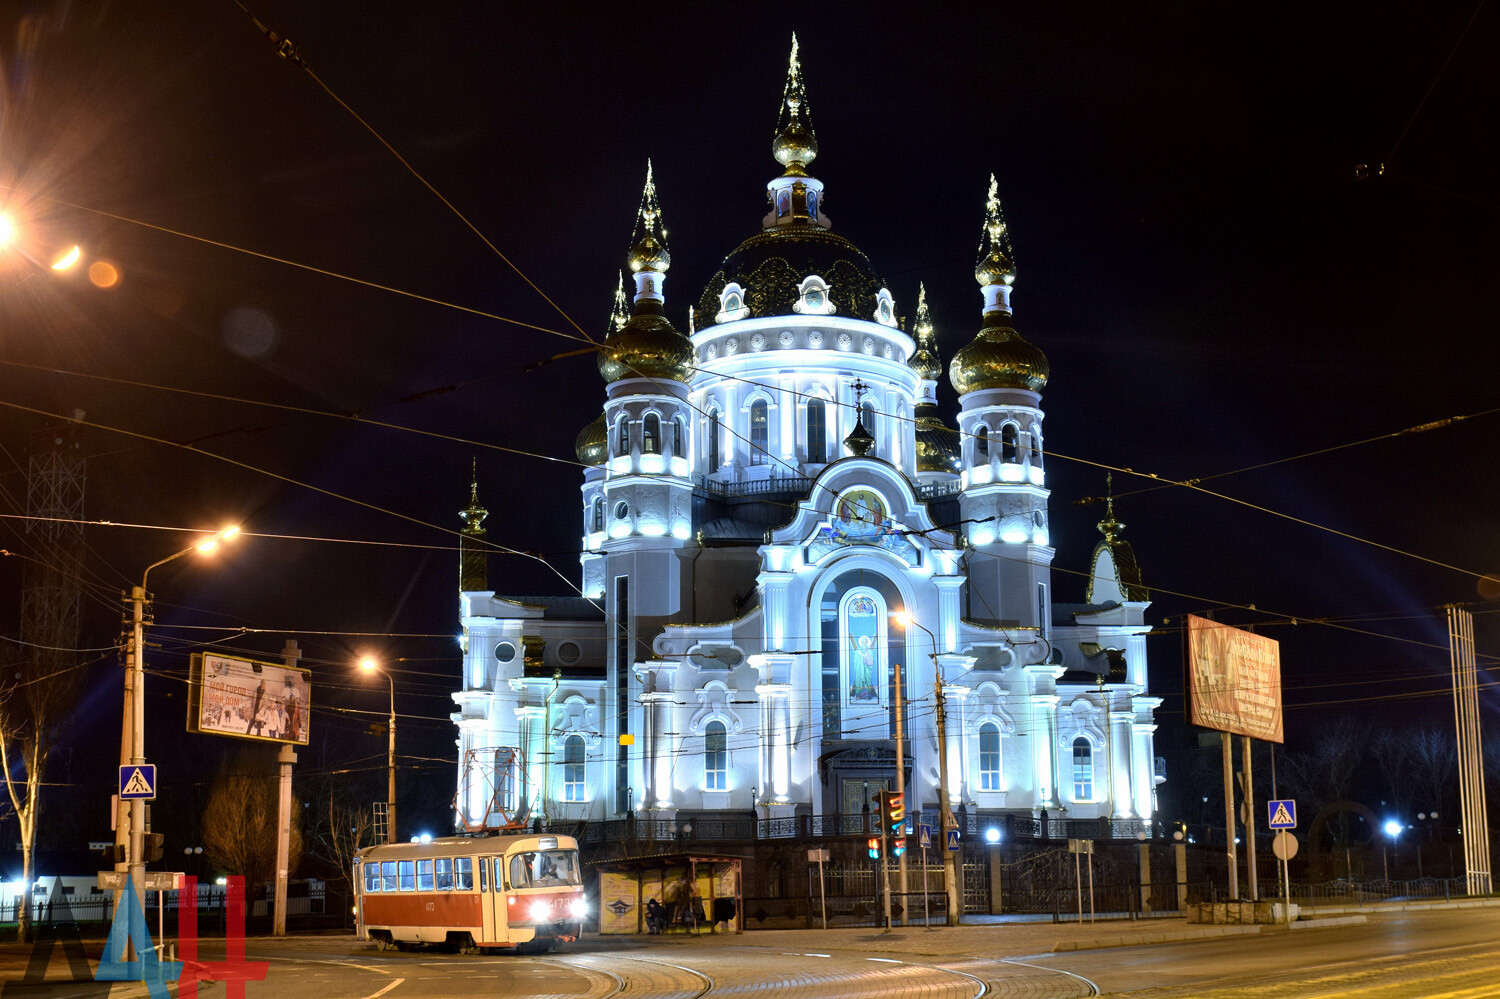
[788, 558]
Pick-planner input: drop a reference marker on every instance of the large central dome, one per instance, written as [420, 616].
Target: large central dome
[770, 267]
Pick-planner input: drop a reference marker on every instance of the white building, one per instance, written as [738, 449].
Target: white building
[766, 495]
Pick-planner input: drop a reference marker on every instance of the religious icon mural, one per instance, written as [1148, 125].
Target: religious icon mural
[864, 652]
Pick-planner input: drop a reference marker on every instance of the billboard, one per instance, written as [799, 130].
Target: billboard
[1234, 680]
[247, 699]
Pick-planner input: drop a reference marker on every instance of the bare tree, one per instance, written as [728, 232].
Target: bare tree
[239, 822]
[1394, 752]
[1325, 772]
[32, 710]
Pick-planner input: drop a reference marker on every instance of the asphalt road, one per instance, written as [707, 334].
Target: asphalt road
[1433, 955]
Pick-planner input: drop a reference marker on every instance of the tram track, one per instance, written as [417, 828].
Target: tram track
[666, 980]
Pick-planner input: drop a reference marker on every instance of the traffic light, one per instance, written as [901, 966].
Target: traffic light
[154, 843]
[114, 853]
[873, 845]
[893, 814]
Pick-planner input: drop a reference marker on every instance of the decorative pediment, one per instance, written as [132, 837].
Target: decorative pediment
[575, 716]
[1082, 717]
[714, 705]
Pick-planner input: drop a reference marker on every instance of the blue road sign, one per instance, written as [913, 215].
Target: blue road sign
[925, 840]
[953, 839]
[138, 780]
[1283, 814]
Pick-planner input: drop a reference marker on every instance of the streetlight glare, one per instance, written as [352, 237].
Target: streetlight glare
[67, 260]
[7, 230]
[207, 545]
[1393, 828]
[368, 664]
[902, 618]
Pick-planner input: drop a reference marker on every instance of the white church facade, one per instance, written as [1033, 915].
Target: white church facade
[788, 558]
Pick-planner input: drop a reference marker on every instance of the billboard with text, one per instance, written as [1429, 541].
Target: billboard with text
[1234, 680]
[247, 699]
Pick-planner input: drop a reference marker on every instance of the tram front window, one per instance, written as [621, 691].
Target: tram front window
[547, 867]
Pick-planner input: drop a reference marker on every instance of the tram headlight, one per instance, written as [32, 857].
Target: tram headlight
[541, 911]
[579, 908]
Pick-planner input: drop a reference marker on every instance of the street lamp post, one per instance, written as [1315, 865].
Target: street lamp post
[369, 665]
[131, 827]
[945, 815]
[1393, 830]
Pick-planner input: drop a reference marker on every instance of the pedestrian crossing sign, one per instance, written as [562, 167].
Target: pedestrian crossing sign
[1283, 814]
[138, 780]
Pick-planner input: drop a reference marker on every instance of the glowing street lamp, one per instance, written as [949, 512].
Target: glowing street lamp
[369, 665]
[1392, 828]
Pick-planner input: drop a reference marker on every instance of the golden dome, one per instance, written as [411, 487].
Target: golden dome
[925, 363]
[795, 144]
[995, 268]
[646, 347]
[937, 443]
[649, 254]
[592, 442]
[998, 358]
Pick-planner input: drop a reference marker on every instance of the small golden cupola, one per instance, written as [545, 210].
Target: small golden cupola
[998, 357]
[796, 196]
[592, 443]
[937, 443]
[647, 345]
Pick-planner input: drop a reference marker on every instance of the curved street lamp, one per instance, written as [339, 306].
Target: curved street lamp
[131, 830]
[369, 665]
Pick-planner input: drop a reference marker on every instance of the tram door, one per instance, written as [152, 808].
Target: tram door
[495, 919]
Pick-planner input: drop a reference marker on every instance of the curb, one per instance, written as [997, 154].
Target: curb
[1141, 939]
[1329, 921]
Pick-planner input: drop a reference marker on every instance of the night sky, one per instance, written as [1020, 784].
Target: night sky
[1216, 281]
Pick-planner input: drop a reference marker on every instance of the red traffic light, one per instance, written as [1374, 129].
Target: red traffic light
[873, 845]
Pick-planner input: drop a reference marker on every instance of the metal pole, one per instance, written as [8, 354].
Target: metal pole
[136, 697]
[288, 756]
[885, 861]
[901, 783]
[390, 766]
[1252, 875]
[822, 892]
[946, 820]
[1227, 742]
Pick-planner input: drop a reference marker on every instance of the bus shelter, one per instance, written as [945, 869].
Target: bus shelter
[697, 893]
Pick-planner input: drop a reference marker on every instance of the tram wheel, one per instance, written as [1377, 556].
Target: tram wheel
[466, 944]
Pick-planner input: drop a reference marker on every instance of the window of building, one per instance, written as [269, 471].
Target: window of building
[867, 417]
[651, 434]
[760, 432]
[989, 757]
[597, 520]
[713, 441]
[1083, 770]
[817, 432]
[622, 436]
[715, 757]
[678, 438]
[1008, 442]
[573, 769]
[982, 444]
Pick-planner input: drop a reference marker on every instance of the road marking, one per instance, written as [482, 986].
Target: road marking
[817, 955]
[340, 964]
[376, 995]
[884, 960]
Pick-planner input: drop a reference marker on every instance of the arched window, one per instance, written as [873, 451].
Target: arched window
[622, 436]
[1083, 770]
[1008, 442]
[713, 442]
[817, 432]
[867, 417]
[677, 437]
[596, 521]
[982, 444]
[715, 757]
[760, 432]
[574, 769]
[651, 434]
[989, 757]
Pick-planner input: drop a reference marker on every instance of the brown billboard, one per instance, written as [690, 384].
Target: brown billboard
[1234, 680]
[247, 699]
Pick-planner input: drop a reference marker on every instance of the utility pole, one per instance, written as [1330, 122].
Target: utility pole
[290, 654]
[950, 876]
[901, 791]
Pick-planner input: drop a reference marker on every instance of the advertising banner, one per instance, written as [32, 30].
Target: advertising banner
[247, 699]
[1234, 680]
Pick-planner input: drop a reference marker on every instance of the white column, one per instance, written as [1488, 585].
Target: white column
[957, 731]
[1144, 770]
[658, 761]
[1042, 724]
[1122, 791]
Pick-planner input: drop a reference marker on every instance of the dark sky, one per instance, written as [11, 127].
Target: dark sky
[1214, 285]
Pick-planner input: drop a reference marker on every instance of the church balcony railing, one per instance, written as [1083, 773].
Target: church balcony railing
[795, 485]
